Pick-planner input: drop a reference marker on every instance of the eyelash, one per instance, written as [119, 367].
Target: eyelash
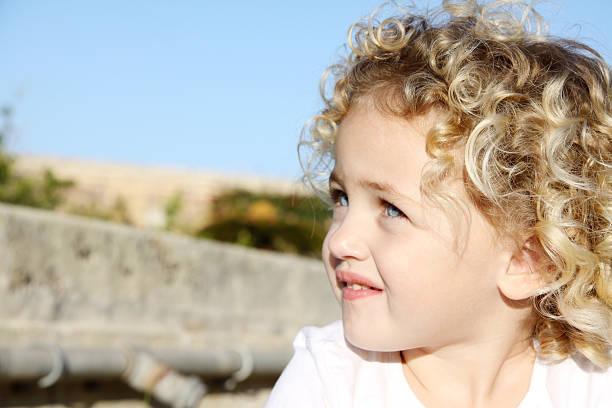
[336, 195]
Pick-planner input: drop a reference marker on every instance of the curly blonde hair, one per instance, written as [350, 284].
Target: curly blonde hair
[531, 115]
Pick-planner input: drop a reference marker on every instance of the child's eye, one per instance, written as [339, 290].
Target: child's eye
[393, 211]
[339, 197]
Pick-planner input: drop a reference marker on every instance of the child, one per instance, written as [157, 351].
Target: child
[471, 241]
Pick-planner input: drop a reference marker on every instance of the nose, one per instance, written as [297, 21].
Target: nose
[346, 239]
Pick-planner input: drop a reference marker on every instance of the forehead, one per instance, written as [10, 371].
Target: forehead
[382, 148]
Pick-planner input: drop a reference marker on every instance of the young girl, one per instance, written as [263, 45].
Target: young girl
[469, 160]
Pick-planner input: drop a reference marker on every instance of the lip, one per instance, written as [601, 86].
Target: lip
[346, 278]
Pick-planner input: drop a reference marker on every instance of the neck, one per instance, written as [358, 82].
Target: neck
[490, 371]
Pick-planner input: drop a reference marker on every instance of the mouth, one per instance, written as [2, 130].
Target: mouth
[354, 286]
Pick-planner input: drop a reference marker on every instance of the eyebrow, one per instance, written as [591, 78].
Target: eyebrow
[372, 185]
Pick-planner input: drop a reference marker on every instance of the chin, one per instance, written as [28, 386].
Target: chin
[369, 342]
[373, 339]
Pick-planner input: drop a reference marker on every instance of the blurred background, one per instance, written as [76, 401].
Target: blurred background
[134, 137]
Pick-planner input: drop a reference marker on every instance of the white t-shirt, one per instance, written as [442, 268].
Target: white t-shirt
[325, 371]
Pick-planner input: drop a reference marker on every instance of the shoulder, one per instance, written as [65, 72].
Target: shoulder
[326, 371]
[325, 344]
[575, 382]
[314, 336]
[308, 378]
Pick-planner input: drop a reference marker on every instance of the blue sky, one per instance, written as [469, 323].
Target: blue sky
[222, 86]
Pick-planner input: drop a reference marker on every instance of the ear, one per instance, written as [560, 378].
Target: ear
[522, 277]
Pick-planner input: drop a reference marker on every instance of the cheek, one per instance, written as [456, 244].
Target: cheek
[407, 264]
[425, 283]
[417, 276]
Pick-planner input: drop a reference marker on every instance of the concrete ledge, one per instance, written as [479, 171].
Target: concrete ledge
[78, 281]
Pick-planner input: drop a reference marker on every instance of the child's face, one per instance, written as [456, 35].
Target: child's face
[429, 293]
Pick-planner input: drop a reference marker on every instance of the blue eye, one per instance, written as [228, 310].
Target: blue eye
[393, 211]
[342, 199]
[339, 197]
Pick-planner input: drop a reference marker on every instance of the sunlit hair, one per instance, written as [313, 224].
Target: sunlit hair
[531, 117]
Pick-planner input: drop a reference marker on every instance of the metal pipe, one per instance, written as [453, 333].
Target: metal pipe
[35, 362]
[206, 364]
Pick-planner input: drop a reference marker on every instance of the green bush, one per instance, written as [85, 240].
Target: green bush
[118, 212]
[172, 209]
[45, 192]
[291, 224]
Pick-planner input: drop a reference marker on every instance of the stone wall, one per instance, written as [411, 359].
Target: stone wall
[80, 282]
